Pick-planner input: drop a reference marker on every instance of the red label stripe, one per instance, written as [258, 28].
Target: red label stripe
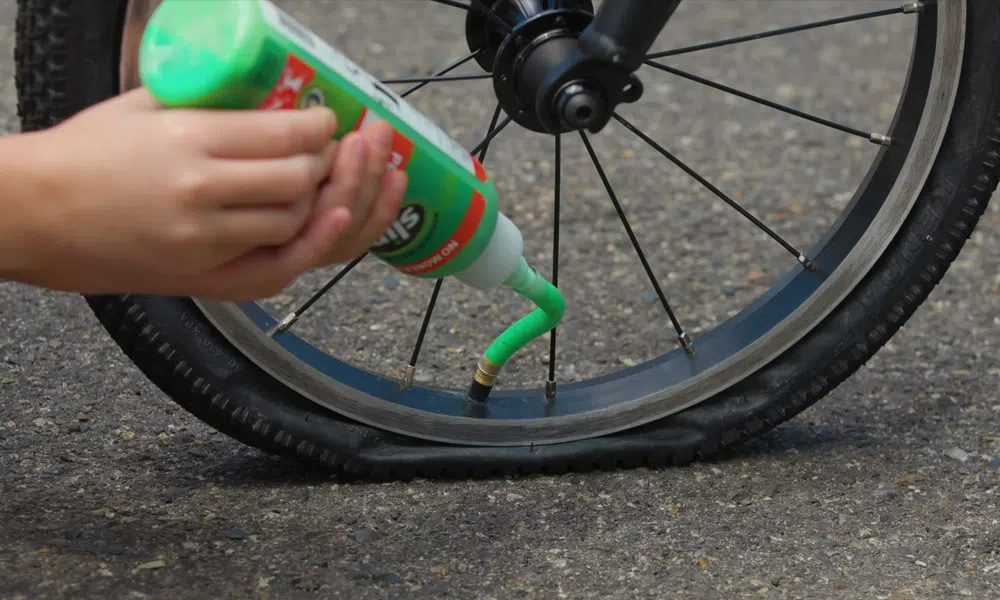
[362, 118]
[455, 244]
[285, 93]
[480, 171]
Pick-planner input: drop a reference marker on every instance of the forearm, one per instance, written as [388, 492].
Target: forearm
[21, 204]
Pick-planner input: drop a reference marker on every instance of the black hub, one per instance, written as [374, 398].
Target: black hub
[525, 42]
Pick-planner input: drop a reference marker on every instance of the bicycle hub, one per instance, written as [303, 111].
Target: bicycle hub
[579, 105]
[540, 75]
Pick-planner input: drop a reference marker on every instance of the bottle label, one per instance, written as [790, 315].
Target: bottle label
[358, 77]
[455, 244]
[294, 78]
[297, 76]
[405, 230]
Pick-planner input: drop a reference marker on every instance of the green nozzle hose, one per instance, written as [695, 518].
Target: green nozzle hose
[551, 307]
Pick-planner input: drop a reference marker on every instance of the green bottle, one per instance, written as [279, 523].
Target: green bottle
[249, 54]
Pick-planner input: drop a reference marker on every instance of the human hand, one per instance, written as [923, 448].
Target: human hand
[228, 205]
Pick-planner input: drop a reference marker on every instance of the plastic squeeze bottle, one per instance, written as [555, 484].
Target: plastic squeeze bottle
[249, 54]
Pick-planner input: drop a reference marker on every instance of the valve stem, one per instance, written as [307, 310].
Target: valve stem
[482, 384]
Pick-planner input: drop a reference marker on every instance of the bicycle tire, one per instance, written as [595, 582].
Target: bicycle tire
[66, 60]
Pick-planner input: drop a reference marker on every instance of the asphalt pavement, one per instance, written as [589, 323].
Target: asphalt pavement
[886, 489]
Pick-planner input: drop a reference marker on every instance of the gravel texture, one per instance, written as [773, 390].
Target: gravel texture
[886, 489]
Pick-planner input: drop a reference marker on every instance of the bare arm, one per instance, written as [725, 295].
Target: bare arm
[21, 198]
[231, 205]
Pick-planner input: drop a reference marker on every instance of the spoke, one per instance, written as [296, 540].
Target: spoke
[682, 336]
[433, 78]
[912, 7]
[550, 385]
[290, 319]
[489, 137]
[411, 369]
[876, 138]
[492, 16]
[458, 63]
[461, 5]
[799, 256]
[493, 127]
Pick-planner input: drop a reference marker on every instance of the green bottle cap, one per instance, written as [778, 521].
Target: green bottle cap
[202, 53]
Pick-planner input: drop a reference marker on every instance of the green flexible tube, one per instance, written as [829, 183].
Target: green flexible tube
[551, 307]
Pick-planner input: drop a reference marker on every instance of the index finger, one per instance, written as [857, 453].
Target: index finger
[252, 134]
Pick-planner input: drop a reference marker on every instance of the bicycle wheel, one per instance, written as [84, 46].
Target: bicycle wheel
[302, 375]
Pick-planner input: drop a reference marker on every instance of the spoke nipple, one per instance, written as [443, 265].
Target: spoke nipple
[913, 7]
[805, 262]
[285, 324]
[881, 140]
[408, 376]
[686, 343]
[550, 390]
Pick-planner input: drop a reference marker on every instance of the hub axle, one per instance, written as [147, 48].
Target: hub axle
[524, 43]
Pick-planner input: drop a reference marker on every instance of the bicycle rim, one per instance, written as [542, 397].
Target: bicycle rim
[728, 354]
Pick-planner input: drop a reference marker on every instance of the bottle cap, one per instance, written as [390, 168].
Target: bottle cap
[499, 260]
[199, 53]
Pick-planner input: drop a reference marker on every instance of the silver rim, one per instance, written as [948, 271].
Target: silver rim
[246, 334]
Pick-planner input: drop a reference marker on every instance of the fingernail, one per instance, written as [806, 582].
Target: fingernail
[328, 114]
[400, 181]
[384, 137]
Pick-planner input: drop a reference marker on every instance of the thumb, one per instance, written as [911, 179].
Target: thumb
[135, 99]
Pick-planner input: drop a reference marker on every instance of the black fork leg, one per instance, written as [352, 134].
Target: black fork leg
[623, 31]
